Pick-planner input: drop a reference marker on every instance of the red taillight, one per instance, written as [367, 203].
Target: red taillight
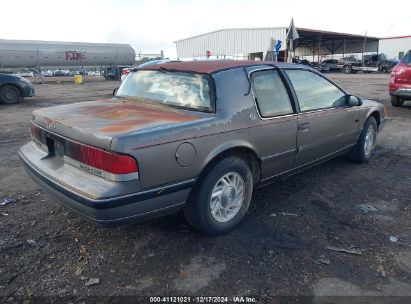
[394, 72]
[97, 158]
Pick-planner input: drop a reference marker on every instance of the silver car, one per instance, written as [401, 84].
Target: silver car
[198, 136]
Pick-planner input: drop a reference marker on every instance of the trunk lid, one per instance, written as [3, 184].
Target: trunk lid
[96, 123]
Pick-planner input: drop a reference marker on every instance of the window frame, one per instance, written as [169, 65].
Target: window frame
[286, 86]
[284, 70]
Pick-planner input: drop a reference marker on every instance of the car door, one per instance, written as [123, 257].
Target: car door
[326, 124]
[277, 131]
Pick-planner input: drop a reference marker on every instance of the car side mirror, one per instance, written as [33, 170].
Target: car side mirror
[354, 101]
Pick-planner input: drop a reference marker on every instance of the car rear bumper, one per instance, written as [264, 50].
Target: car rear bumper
[401, 92]
[133, 207]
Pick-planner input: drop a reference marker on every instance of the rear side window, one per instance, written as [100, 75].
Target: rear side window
[270, 93]
[314, 92]
[407, 58]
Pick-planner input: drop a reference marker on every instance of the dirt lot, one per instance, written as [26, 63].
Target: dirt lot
[280, 249]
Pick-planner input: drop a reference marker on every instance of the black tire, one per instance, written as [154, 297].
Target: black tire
[347, 69]
[358, 153]
[384, 69]
[396, 101]
[10, 95]
[197, 211]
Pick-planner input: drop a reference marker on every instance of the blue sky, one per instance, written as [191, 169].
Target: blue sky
[150, 26]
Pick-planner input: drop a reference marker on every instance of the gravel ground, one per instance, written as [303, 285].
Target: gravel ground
[286, 245]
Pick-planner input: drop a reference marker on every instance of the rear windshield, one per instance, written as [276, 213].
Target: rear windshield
[179, 89]
[407, 58]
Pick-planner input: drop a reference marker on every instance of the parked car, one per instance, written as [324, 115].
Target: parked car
[329, 65]
[349, 65]
[400, 81]
[61, 72]
[302, 61]
[24, 74]
[197, 136]
[378, 63]
[76, 72]
[113, 72]
[47, 73]
[13, 88]
[372, 63]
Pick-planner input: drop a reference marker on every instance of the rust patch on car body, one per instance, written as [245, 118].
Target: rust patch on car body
[127, 115]
[114, 116]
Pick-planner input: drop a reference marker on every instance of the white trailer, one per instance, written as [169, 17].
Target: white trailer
[37, 54]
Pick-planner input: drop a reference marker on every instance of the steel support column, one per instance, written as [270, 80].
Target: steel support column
[319, 49]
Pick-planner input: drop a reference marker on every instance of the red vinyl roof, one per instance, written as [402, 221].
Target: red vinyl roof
[205, 66]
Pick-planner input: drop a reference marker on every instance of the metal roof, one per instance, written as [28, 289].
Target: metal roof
[309, 37]
[232, 29]
[307, 32]
[326, 34]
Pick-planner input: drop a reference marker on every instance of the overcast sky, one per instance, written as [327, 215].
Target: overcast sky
[150, 26]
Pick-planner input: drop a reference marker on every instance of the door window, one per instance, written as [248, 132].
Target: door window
[315, 92]
[270, 93]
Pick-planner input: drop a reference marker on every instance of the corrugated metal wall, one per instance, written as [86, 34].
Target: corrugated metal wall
[230, 42]
[393, 46]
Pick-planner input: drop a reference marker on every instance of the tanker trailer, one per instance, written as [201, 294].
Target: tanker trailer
[38, 54]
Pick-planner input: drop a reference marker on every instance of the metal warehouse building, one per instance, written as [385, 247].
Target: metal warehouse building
[256, 43]
[395, 47]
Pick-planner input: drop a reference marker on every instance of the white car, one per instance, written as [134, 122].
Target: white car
[24, 74]
[47, 73]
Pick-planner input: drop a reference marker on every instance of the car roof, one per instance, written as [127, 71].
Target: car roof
[214, 66]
